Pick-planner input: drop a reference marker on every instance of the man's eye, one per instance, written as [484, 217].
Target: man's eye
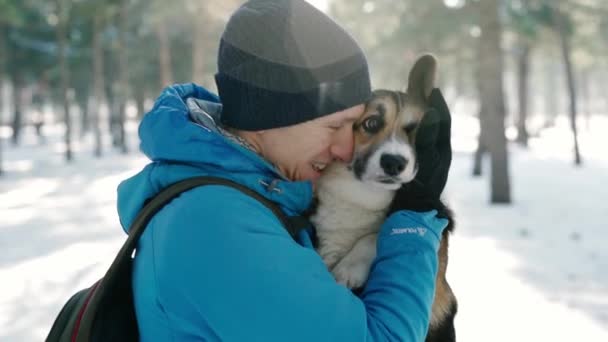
[372, 124]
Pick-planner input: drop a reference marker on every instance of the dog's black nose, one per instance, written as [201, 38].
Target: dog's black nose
[392, 164]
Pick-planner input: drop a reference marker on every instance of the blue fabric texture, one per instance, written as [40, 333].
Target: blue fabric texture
[216, 265]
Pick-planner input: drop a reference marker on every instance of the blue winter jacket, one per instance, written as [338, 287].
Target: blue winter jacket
[216, 265]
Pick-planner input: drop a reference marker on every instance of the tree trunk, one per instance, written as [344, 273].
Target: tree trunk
[492, 99]
[64, 74]
[523, 76]
[605, 92]
[166, 69]
[551, 95]
[16, 124]
[112, 97]
[38, 100]
[481, 148]
[111, 91]
[1, 103]
[140, 99]
[123, 72]
[82, 97]
[99, 97]
[3, 60]
[478, 157]
[566, 53]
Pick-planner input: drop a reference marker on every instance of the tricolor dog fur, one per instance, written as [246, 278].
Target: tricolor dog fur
[353, 199]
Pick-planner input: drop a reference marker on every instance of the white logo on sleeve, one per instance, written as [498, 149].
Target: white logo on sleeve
[415, 230]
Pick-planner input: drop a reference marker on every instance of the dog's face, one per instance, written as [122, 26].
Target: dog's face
[385, 135]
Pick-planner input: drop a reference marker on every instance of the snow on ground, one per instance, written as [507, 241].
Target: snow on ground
[532, 271]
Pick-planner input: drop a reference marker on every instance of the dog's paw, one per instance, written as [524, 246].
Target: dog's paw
[353, 270]
[351, 273]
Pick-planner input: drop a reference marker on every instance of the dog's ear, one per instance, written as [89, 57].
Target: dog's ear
[421, 80]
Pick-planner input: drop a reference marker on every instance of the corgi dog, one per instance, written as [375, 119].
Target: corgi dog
[353, 199]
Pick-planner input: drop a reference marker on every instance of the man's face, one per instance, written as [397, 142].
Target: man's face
[302, 151]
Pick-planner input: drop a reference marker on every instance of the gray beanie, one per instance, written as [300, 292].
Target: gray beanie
[283, 62]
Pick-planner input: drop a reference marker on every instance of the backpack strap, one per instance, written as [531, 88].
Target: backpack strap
[122, 262]
[293, 224]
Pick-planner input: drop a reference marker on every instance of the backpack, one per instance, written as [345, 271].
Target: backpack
[105, 311]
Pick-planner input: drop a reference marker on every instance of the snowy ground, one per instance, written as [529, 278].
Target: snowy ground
[536, 270]
[533, 271]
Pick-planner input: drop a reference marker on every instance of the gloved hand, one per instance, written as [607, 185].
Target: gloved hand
[434, 156]
[408, 223]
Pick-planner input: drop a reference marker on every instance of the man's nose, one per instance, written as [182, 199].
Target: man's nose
[343, 145]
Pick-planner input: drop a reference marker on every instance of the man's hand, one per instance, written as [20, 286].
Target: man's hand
[434, 156]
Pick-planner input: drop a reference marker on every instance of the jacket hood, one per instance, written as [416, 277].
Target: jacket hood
[181, 137]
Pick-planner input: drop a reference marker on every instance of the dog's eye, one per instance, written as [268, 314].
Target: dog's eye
[410, 127]
[372, 124]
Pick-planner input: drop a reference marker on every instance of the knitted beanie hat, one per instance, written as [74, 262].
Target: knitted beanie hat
[283, 62]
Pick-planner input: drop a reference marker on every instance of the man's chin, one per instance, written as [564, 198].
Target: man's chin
[315, 177]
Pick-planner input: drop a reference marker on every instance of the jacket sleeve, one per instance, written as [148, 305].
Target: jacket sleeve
[236, 275]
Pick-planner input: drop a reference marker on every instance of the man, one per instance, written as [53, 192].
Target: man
[216, 265]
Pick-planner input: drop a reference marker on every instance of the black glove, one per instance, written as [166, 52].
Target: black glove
[434, 156]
